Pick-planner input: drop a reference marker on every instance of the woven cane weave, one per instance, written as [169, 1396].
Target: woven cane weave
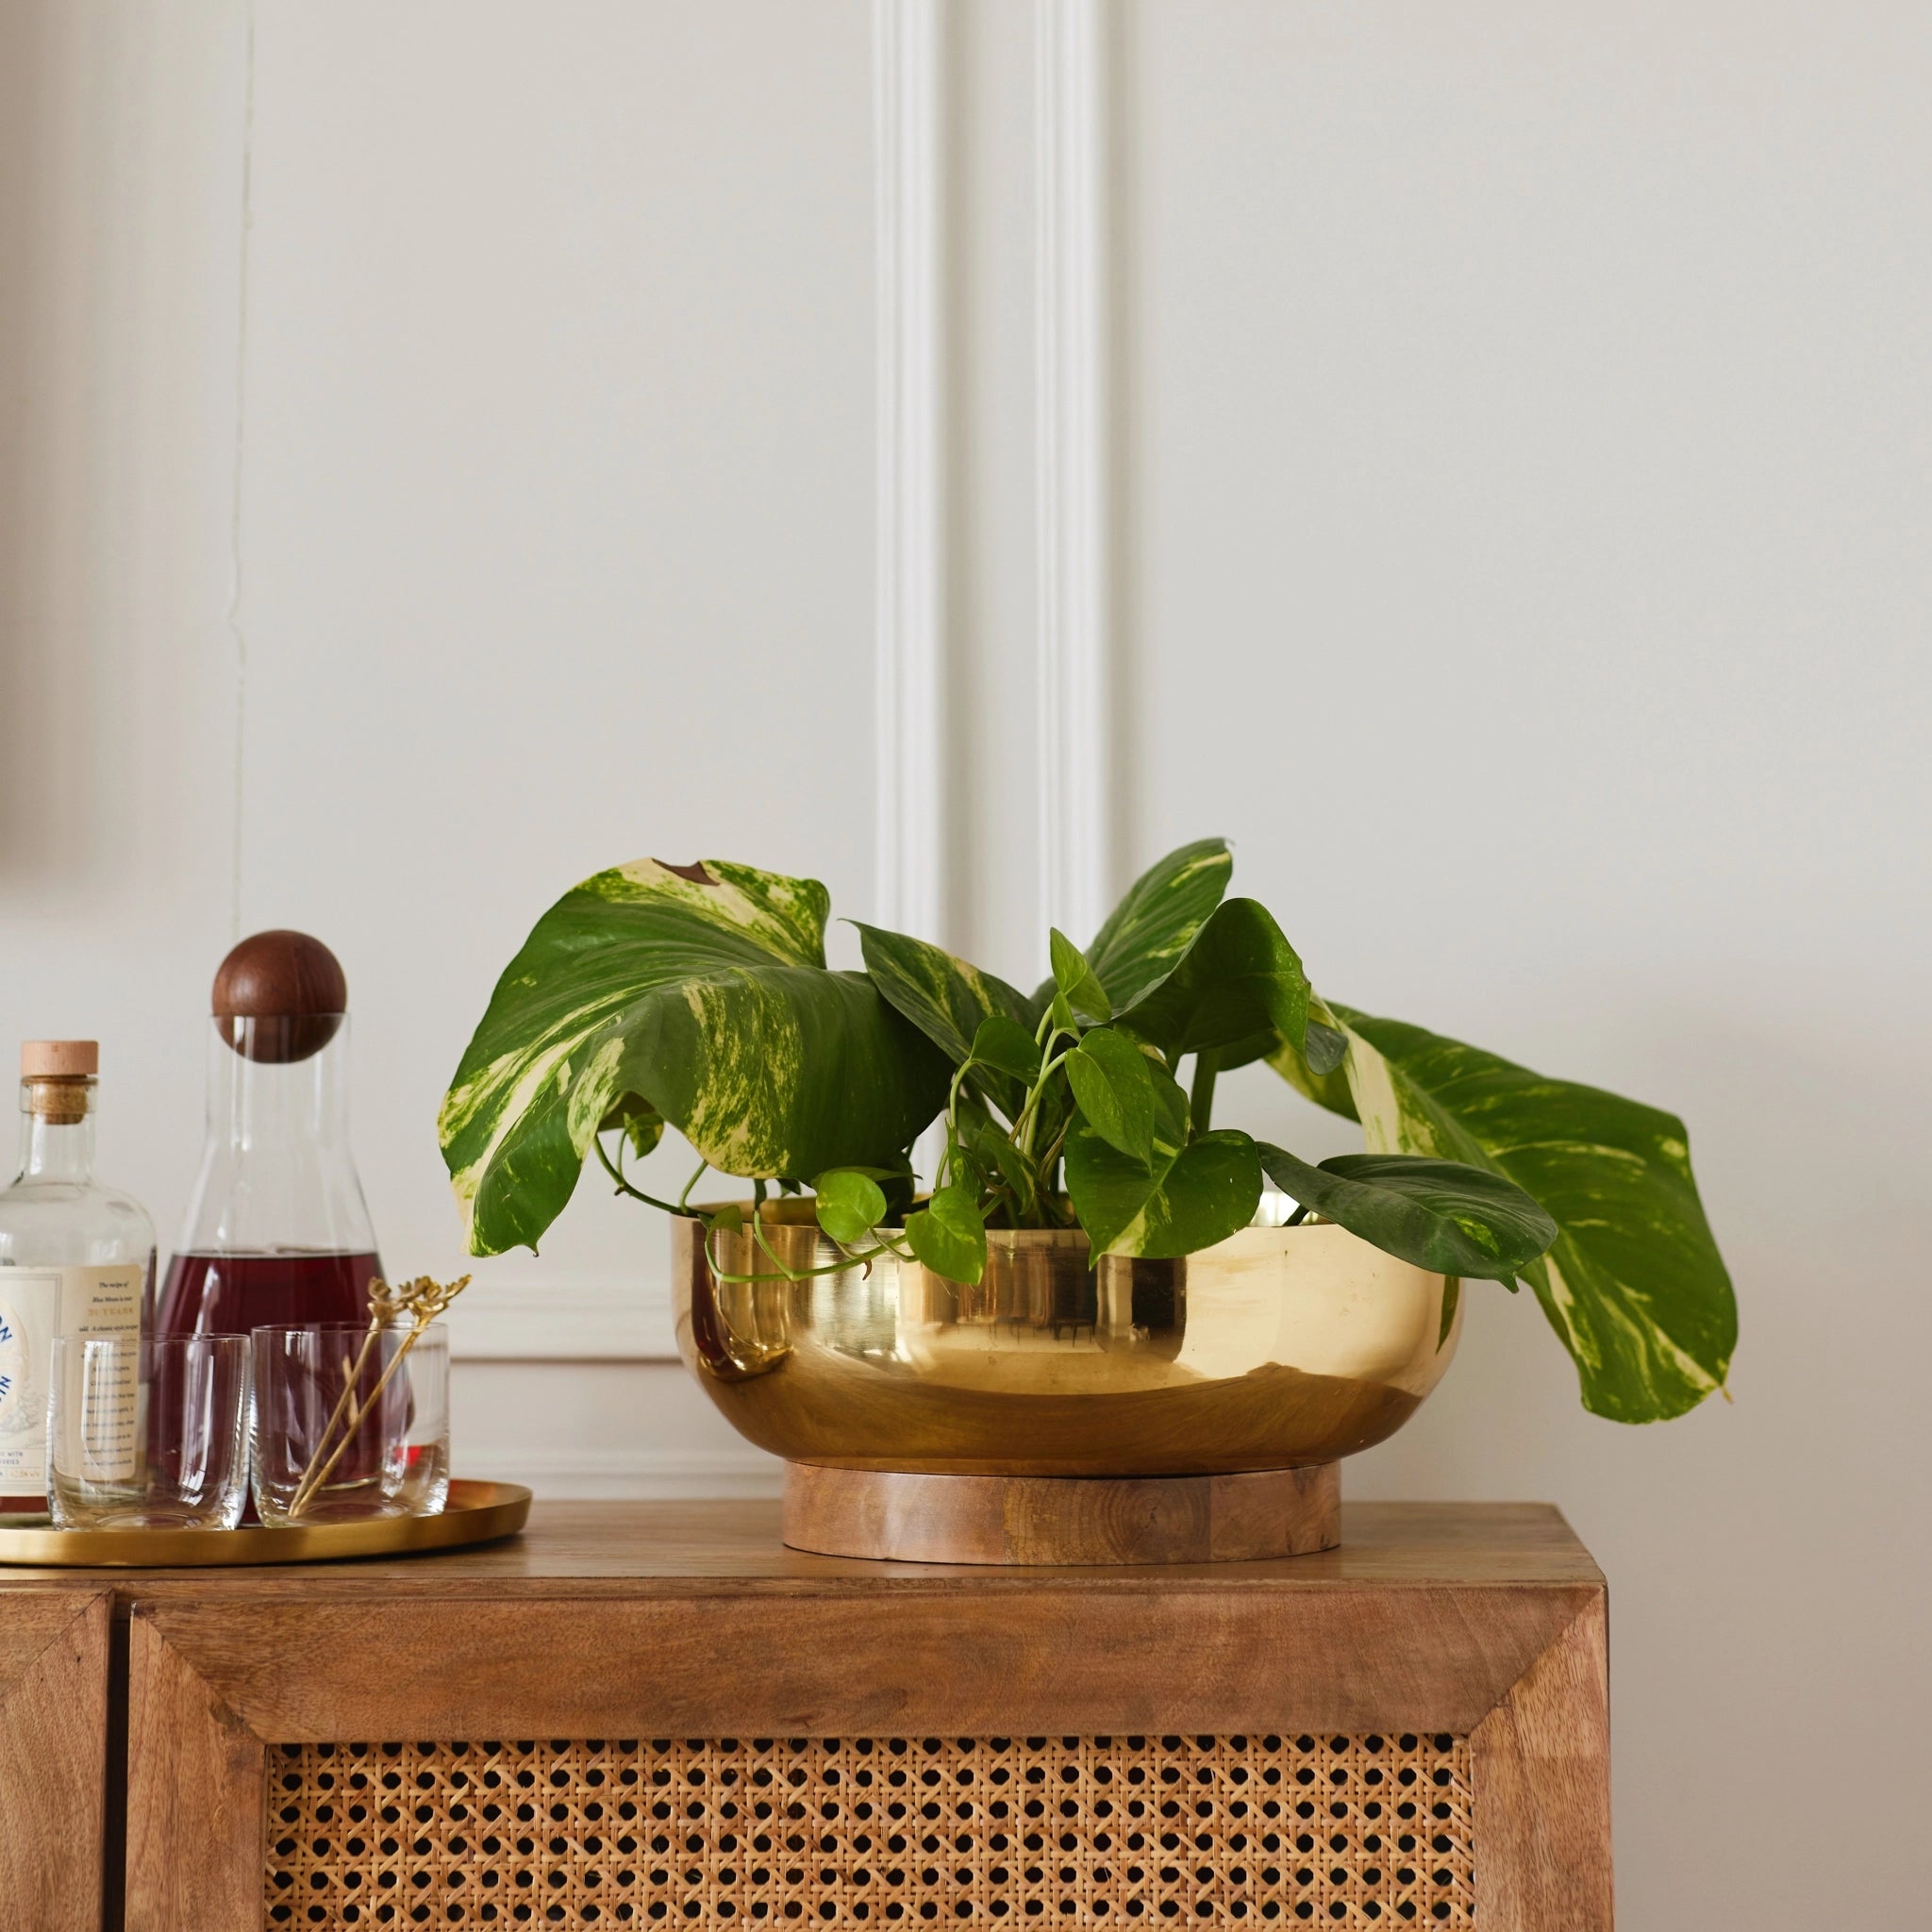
[1371, 1830]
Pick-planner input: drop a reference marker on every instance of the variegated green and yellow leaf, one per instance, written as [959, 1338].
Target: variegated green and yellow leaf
[1156, 919]
[1633, 1284]
[943, 996]
[702, 992]
[1237, 990]
[948, 1000]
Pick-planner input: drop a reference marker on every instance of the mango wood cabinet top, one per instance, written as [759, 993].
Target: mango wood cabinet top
[703, 1548]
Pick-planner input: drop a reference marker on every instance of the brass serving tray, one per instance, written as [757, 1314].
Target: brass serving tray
[475, 1513]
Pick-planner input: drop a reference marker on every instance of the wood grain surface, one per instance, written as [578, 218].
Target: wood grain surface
[1541, 1761]
[1037, 1658]
[608, 1549]
[1061, 1520]
[53, 1758]
[196, 1799]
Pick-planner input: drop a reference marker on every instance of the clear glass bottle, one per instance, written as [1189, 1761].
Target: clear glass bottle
[277, 1231]
[76, 1258]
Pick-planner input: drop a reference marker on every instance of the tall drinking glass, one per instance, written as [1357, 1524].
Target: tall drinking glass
[425, 1438]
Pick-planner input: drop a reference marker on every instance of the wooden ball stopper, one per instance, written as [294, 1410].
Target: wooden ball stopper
[280, 996]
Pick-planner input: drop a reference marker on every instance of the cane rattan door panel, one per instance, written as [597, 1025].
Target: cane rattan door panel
[862, 1832]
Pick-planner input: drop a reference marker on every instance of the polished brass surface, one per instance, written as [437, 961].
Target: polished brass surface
[475, 1513]
[1279, 1347]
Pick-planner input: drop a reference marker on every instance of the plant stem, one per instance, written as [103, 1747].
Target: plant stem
[624, 1187]
[1029, 1114]
[845, 1261]
[1053, 1153]
[684, 1199]
[1201, 1096]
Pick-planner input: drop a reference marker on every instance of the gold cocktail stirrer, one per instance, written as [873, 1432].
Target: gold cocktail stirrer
[421, 1300]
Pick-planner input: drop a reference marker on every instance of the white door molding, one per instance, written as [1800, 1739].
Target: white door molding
[1070, 374]
[910, 591]
[630, 1321]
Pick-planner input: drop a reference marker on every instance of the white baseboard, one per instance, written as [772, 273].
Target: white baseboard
[615, 1321]
[654, 1475]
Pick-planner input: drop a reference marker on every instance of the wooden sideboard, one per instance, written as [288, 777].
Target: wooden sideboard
[654, 1714]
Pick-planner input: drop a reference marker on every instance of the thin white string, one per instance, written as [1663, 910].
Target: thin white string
[234, 611]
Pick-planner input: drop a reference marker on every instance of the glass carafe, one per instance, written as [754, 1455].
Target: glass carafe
[277, 1231]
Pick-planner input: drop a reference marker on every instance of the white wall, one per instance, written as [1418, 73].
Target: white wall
[1518, 486]
[1525, 563]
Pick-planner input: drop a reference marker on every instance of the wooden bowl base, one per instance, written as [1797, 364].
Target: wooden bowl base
[907, 1518]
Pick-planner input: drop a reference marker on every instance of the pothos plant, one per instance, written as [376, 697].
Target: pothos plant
[699, 996]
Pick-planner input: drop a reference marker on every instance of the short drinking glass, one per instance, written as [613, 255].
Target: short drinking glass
[148, 1434]
[349, 1424]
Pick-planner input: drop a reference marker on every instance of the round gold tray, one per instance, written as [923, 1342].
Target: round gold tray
[475, 1513]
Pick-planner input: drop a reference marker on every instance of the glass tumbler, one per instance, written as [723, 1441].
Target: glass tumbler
[425, 1441]
[148, 1434]
[349, 1423]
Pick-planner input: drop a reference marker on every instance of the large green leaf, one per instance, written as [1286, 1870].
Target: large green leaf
[702, 990]
[1240, 984]
[946, 999]
[1190, 1195]
[1006, 1047]
[1158, 918]
[1113, 1083]
[1633, 1285]
[1442, 1215]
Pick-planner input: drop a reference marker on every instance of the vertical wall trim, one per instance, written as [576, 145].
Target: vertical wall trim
[910, 857]
[1070, 457]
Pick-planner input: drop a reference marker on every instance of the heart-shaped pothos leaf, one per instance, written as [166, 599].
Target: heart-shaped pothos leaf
[1189, 1195]
[1158, 918]
[1442, 1215]
[1633, 1283]
[702, 991]
[949, 1000]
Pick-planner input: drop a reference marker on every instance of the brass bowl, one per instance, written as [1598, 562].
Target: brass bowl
[1279, 1347]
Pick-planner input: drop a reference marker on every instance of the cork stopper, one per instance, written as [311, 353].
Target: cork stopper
[59, 1059]
[57, 1078]
[280, 996]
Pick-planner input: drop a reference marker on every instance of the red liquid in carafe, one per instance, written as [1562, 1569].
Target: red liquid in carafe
[229, 1295]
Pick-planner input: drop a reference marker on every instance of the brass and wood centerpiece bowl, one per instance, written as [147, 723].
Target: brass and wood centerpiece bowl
[1176, 1411]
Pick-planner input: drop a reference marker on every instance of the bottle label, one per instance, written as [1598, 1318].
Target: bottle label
[36, 1305]
[30, 1312]
[105, 1302]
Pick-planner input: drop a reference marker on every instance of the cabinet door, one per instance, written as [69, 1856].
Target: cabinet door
[54, 1647]
[1010, 1751]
